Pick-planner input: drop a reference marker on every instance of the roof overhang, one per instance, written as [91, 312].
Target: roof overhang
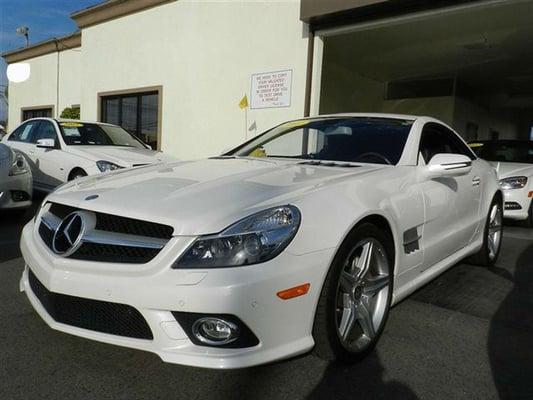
[326, 14]
[112, 9]
[46, 47]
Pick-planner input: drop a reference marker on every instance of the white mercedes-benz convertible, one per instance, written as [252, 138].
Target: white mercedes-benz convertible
[301, 238]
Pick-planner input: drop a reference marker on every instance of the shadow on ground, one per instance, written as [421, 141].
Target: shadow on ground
[510, 340]
[364, 380]
[11, 224]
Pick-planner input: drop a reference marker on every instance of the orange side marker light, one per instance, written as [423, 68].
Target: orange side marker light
[530, 194]
[294, 291]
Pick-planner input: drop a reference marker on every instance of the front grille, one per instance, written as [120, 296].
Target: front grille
[46, 234]
[95, 315]
[113, 253]
[512, 205]
[140, 251]
[114, 223]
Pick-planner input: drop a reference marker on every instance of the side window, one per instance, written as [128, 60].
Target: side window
[439, 139]
[459, 146]
[24, 132]
[45, 130]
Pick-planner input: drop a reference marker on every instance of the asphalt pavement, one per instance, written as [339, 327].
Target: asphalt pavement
[466, 335]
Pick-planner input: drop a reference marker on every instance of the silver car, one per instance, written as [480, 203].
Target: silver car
[15, 180]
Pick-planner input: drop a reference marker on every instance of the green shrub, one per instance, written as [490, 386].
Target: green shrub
[70, 113]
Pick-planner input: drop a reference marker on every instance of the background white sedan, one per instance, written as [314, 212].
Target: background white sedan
[15, 180]
[59, 150]
[513, 160]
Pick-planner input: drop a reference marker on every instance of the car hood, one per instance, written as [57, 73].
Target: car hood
[508, 169]
[122, 156]
[201, 197]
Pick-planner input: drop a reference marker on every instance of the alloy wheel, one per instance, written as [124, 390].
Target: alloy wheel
[362, 295]
[494, 233]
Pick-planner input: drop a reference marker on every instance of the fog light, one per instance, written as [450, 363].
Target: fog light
[215, 331]
[19, 195]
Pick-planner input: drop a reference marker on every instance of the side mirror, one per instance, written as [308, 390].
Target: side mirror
[46, 143]
[445, 165]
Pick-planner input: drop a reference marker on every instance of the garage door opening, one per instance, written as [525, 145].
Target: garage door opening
[470, 66]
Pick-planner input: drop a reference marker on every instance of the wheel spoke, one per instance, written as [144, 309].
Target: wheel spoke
[347, 282]
[491, 245]
[364, 317]
[375, 284]
[347, 321]
[362, 263]
[494, 228]
[493, 213]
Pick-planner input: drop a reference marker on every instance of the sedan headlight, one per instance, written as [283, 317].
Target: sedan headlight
[514, 182]
[105, 166]
[19, 165]
[255, 239]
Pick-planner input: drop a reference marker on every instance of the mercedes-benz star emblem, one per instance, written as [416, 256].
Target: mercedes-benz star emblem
[69, 233]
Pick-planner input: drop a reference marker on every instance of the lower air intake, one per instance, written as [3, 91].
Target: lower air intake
[95, 315]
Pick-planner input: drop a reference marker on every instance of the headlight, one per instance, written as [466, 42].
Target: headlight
[254, 239]
[19, 165]
[105, 166]
[514, 182]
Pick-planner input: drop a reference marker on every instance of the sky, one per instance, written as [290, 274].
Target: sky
[45, 18]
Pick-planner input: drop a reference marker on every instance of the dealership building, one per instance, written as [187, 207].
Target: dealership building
[193, 77]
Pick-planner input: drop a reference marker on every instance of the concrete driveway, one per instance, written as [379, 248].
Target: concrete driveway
[467, 335]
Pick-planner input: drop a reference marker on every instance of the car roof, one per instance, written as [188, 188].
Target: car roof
[369, 115]
[61, 120]
[501, 141]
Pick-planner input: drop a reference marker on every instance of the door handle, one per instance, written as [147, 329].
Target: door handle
[476, 181]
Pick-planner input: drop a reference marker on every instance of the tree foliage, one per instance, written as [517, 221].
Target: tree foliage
[70, 113]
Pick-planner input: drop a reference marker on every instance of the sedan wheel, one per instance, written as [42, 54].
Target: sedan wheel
[494, 238]
[362, 295]
[356, 296]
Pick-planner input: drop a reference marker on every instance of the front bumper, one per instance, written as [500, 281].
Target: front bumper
[516, 203]
[283, 327]
[18, 183]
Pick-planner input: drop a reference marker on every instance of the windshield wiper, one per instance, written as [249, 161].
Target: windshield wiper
[329, 164]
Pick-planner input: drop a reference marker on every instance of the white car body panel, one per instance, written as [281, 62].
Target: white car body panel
[52, 167]
[447, 218]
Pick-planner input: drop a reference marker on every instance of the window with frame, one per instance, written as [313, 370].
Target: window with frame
[45, 130]
[138, 113]
[24, 132]
[45, 112]
[438, 139]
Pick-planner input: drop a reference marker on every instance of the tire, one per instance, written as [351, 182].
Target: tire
[488, 254]
[77, 174]
[363, 294]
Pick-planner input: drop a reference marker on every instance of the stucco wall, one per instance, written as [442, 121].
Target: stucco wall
[465, 111]
[203, 54]
[41, 88]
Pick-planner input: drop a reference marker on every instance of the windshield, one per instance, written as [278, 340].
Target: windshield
[82, 134]
[348, 139]
[520, 151]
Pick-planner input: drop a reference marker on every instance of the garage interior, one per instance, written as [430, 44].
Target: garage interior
[470, 66]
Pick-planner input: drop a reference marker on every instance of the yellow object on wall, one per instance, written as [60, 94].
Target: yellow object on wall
[244, 102]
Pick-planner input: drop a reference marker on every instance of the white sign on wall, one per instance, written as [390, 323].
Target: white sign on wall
[271, 89]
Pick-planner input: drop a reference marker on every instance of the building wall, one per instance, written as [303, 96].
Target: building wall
[203, 54]
[465, 111]
[344, 90]
[41, 87]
